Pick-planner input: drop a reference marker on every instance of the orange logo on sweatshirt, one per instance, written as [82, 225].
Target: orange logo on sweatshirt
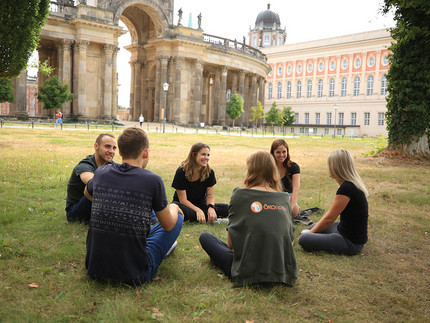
[256, 207]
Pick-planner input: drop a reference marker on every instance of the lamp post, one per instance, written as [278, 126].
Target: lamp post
[335, 110]
[165, 88]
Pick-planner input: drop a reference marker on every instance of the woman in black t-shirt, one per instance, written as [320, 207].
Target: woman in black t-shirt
[289, 172]
[194, 183]
[348, 236]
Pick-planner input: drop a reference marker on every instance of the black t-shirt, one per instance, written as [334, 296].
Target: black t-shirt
[123, 199]
[353, 219]
[196, 191]
[287, 180]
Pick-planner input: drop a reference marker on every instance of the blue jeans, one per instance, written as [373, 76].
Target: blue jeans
[80, 211]
[329, 240]
[59, 120]
[218, 251]
[158, 244]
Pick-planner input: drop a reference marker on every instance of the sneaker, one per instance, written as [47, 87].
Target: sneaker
[221, 221]
[302, 219]
[172, 248]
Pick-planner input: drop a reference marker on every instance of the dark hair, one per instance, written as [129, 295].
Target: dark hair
[287, 162]
[189, 164]
[132, 142]
[100, 137]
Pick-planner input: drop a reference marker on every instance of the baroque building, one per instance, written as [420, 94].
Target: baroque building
[80, 40]
[335, 85]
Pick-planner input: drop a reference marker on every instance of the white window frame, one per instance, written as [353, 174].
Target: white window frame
[369, 90]
[306, 117]
[353, 118]
[279, 91]
[381, 118]
[331, 88]
[340, 118]
[328, 115]
[320, 88]
[288, 90]
[309, 89]
[317, 118]
[299, 90]
[270, 91]
[345, 64]
[384, 84]
[366, 118]
[357, 62]
[356, 88]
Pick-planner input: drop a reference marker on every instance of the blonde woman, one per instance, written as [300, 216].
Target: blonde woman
[348, 236]
[194, 183]
[260, 229]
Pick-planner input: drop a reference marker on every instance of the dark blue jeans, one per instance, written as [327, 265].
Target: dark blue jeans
[81, 211]
[158, 243]
[218, 251]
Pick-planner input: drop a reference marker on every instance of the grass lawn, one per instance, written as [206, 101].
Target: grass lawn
[389, 281]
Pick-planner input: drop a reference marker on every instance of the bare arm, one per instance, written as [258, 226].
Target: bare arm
[87, 195]
[86, 176]
[182, 196]
[169, 216]
[229, 243]
[296, 188]
[339, 204]
[210, 199]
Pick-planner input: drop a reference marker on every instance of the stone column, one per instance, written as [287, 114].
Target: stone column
[178, 78]
[144, 91]
[242, 93]
[223, 94]
[171, 92]
[216, 95]
[107, 87]
[205, 94]
[66, 70]
[157, 89]
[114, 84]
[19, 107]
[261, 87]
[198, 90]
[44, 54]
[137, 89]
[164, 60]
[234, 85]
[132, 80]
[82, 85]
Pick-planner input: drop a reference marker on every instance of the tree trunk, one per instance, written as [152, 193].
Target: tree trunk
[418, 146]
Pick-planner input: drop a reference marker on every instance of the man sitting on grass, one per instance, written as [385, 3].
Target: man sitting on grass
[121, 244]
[78, 207]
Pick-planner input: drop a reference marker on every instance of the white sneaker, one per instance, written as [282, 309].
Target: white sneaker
[221, 221]
[172, 248]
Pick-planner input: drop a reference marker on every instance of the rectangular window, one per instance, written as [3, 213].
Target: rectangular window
[317, 118]
[381, 117]
[292, 130]
[266, 39]
[328, 117]
[306, 130]
[269, 94]
[340, 119]
[366, 118]
[326, 131]
[331, 88]
[299, 90]
[320, 88]
[315, 131]
[302, 130]
[353, 118]
[288, 90]
[339, 132]
[254, 41]
[309, 89]
[343, 86]
[296, 116]
[279, 92]
[306, 118]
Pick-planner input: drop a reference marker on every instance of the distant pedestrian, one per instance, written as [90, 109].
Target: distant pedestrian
[59, 116]
[141, 119]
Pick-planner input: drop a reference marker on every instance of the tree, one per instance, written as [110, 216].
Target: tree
[6, 90]
[21, 24]
[274, 115]
[235, 106]
[257, 113]
[53, 94]
[408, 101]
[287, 116]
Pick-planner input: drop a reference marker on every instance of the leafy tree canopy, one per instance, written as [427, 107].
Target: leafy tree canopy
[287, 116]
[234, 107]
[6, 90]
[257, 113]
[53, 94]
[21, 24]
[408, 102]
[274, 115]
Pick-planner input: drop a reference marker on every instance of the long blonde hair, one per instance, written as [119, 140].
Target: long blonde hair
[261, 169]
[189, 165]
[341, 166]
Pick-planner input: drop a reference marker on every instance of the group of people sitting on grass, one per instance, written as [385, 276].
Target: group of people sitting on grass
[132, 227]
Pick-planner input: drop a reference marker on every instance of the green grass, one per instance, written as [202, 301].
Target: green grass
[388, 282]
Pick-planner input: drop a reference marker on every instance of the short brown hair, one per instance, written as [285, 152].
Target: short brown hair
[100, 137]
[132, 142]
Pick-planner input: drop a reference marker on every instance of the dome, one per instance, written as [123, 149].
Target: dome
[268, 19]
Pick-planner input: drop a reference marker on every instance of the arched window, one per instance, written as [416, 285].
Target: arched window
[279, 91]
[320, 88]
[343, 86]
[369, 90]
[309, 89]
[288, 90]
[356, 89]
[384, 85]
[270, 90]
[331, 88]
[299, 89]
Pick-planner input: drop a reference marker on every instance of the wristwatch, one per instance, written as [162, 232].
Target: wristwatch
[212, 206]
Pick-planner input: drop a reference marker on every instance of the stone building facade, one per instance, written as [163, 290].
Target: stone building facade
[80, 40]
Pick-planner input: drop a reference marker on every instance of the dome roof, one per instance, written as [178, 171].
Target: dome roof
[268, 18]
